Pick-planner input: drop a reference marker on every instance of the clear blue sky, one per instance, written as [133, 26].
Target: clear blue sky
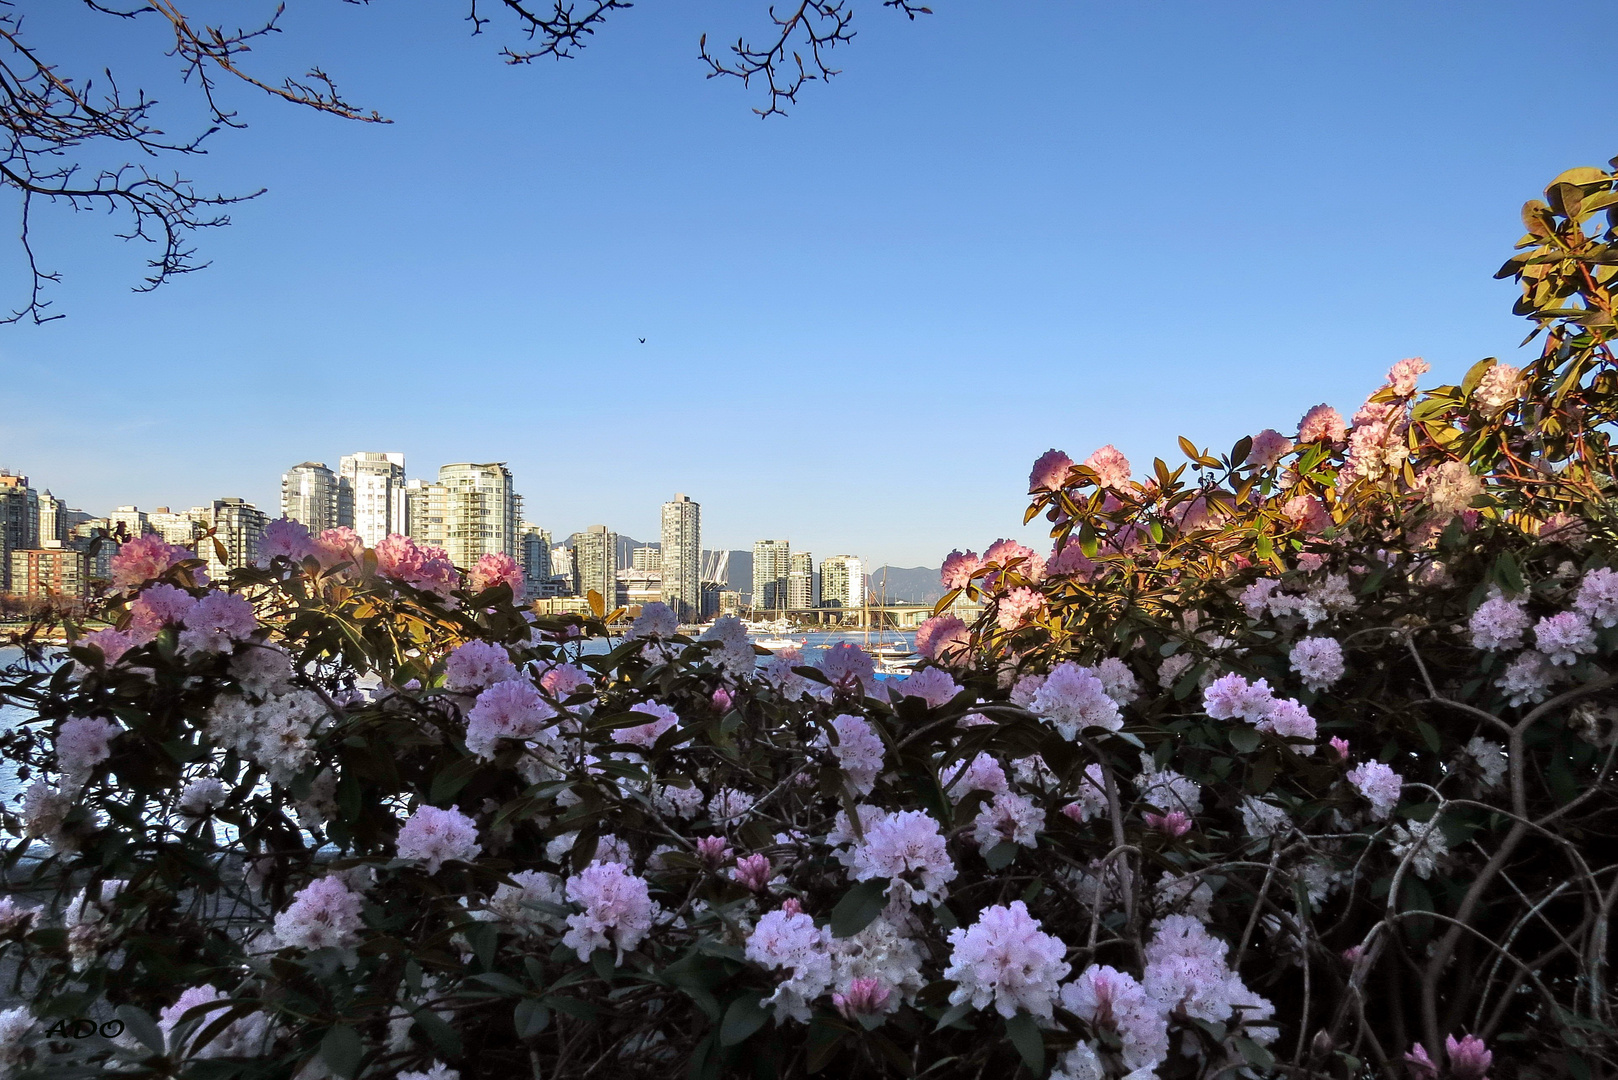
[1010, 226]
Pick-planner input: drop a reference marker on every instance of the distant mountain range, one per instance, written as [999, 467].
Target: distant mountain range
[898, 584]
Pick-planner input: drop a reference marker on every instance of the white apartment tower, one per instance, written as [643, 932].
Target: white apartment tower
[772, 566]
[842, 581]
[482, 511]
[534, 556]
[801, 580]
[309, 495]
[238, 525]
[682, 558]
[370, 494]
[596, 563]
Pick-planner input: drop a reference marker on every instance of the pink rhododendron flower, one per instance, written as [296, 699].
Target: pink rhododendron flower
[1186, 969]
[982, 773]
[1017, 606]
[1290, 720]
[284, 538]
[1091, 799]
[1527, 678]
[1269, 446]
[1319, 660]
[1070, 561]
[1049, 471]
[324, 914]
[242, 1037]
[1340, 748]
[1597, 599]
[618, 910]
[958, 569]
[1380, 786]
[1309, 512]
[1010, 555]
[859, 751]
[82, 743]
[1374, 450]
[1007, 817]
[492, 569]
[656, 620]
[398, 556]
[1232, 697]
[909, 848]
[753, 872]
[713, 851]
[1500, 386]
[112, 643]
[432, 837]
[511, 709]
[564, 680]
[157, 607]
[932, 685]
[848, 667]
[1322, 422]
[339, 545]
[144, 558]
[1005, 960]
[1469, 1058]
[865, 997]
[1105, 997]
[1564, 637]
[1111, 467]
[477, 664]
[217, 622]
[722, 700]
[664, 719]
[1074, 698]
[943, 638]
[1498, 623]
[1404, 375]
[1420, 1065]
[1117, 680]
[1173, 823]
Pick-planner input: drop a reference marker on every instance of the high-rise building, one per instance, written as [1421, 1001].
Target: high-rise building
[370, 494]
[596, 555]
[309, 495]
[647, 559]
[182, 528]
[482, 511]
[425, 506]
[534, 556]
[772, 565]
[131, 521]
[682, 558]
[801, 580]
[842, 581]
[93, 537]
[53, 523]
[52, 570]
[237, 524]
[19, 521]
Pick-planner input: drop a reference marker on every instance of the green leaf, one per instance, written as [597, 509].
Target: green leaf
[142, 1027]
[341, 1049]
[530, 1018]
[1244, 739]
[744, 1016]
[451, 779]
[1254, 1053]
[602, 961]
[859, 907]
[1429, 734]
[824, 1039]
[1025, 1036]
[999, 857]
[438, 1032]
[954, 1014]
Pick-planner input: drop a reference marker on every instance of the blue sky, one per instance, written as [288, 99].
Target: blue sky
[1009, 226]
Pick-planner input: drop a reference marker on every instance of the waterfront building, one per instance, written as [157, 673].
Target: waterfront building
[482, 511]
[596, 558]
[842, 581]
[425, 506]
[53, 520]
[177, 528]
[534, 556]
[565, 569]
[309, 495]
[93, 533]
[729, 602]
[772, 566]
[238, 525]
[801, 580]
[370, 494]
[637, 588]
[647, 559]
[19, 521]
[682, 558]
[51, 570]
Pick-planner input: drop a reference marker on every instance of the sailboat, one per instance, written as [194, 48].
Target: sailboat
[892, 657]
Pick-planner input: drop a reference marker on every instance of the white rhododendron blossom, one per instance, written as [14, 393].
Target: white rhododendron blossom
[617, 910]
[1005, 962]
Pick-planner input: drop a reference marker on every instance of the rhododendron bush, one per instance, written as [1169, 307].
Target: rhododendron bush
[1292, 761]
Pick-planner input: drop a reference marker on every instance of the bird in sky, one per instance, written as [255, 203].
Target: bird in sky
[643, 341]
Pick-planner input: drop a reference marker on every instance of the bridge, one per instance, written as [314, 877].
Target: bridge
[869, 617]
